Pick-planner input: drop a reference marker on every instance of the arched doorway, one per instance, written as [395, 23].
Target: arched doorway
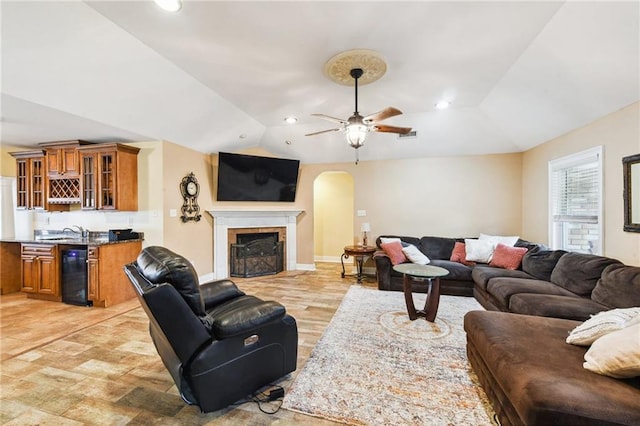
[333, 207]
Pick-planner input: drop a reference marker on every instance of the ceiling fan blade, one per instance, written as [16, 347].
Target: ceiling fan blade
[327, 117]
[391, 129]
[323, 131]
[382, 115]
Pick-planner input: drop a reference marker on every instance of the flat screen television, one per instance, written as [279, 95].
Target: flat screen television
[253, 178]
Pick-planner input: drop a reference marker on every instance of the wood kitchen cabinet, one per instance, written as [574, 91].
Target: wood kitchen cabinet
[107, 283]
[30, 179]
[62, 159]
[40, 271]
[10, 260]
[93, 274]
[109, 177]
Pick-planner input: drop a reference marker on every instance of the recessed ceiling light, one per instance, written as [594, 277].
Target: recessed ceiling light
[291, 119]
[170, 5]
[443, 105]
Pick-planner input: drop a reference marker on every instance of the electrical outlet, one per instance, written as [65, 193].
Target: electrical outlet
[173, 212]
[362, 213]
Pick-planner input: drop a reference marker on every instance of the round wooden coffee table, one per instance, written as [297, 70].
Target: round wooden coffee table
[412, 272]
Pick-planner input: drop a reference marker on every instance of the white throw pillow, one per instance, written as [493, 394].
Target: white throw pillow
[415, 255]
[384, 240]
[617, 354]
[602, 323]
[496, 239]
[478, 251]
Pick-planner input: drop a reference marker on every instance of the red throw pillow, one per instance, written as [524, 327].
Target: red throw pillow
[507, 257]
[394, 251]
[459, 254]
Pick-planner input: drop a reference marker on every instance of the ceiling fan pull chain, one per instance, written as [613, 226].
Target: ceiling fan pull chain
[357, 157]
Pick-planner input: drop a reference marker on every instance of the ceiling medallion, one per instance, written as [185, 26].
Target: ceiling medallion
[339, 67]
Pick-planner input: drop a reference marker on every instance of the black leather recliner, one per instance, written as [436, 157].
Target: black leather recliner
[219, 344]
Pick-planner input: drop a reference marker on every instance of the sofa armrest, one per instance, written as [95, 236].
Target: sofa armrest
[217, 292]
[383, 270]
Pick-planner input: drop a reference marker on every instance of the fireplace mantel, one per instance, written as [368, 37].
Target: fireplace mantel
[223, 219]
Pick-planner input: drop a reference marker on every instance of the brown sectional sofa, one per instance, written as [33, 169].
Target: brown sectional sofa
[529, 372]
[550, 283]
[533, 377]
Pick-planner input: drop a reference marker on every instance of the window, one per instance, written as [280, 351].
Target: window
[575, 202]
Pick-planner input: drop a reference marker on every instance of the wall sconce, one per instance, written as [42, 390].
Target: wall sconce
[365, 228]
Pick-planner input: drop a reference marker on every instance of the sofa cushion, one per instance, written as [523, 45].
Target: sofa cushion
[618, 287]
[498, 239]
[459, 254]
[414, 255]
[600, 324]
[437, 247]
[502, 288]
[617, 354]
[403, 239]
[579, 273]
[482, 274]
[555, 306]
[507, 257]
[478, 250]
[160, 265]
[457, 271]
[394, 251]
[540, 263]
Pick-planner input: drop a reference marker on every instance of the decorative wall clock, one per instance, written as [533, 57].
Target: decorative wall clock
[190, 188]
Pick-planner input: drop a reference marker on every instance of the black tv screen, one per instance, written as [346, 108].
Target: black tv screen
[252, 178]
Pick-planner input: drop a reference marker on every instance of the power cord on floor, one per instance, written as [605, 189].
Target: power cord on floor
[276, 394]
[273, 394]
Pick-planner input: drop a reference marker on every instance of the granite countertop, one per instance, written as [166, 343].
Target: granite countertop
[93, 238]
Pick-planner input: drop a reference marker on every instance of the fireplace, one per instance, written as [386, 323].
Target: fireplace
[256, 254]
[228, 223]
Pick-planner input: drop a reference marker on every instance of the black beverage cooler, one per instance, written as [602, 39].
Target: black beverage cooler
[74, 276]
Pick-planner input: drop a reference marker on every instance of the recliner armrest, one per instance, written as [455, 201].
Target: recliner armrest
[241, 315]
[217, 292]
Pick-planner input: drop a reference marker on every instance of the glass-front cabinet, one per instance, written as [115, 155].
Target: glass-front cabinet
[109, 177]
[30, 179]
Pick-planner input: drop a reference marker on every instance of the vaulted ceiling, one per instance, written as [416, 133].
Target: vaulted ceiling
[222, 76]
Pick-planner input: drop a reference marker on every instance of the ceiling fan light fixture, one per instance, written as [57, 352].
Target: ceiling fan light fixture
[356, 134]
[291, 119]
[169, 5]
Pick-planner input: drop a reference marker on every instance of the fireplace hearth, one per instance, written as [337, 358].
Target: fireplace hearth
[256, 254]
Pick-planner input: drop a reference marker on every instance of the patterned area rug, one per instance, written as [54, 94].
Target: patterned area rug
[374, 366]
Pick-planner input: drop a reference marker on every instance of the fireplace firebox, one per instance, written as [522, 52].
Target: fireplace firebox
[256, 254]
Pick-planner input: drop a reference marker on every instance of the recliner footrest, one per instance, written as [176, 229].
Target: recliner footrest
[240, 315]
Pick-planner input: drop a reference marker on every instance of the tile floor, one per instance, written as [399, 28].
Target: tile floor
[71, 365]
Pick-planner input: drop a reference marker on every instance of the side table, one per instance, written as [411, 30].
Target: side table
[412, 272]
[359, 253]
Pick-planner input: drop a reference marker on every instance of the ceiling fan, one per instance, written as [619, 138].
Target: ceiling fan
[356, 127]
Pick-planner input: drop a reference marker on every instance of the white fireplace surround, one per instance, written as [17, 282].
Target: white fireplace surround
[224, 219]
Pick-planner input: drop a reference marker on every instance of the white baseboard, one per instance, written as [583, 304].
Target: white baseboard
[305, 267]
[330, 259]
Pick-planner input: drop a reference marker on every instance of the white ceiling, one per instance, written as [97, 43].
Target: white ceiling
[221, 76]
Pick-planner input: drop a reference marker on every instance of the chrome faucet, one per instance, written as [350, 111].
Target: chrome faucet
[79, 230]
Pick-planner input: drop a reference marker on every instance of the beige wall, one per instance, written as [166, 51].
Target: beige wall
[193, 240]
[333, 213]
[619, 135]
[445, 196]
